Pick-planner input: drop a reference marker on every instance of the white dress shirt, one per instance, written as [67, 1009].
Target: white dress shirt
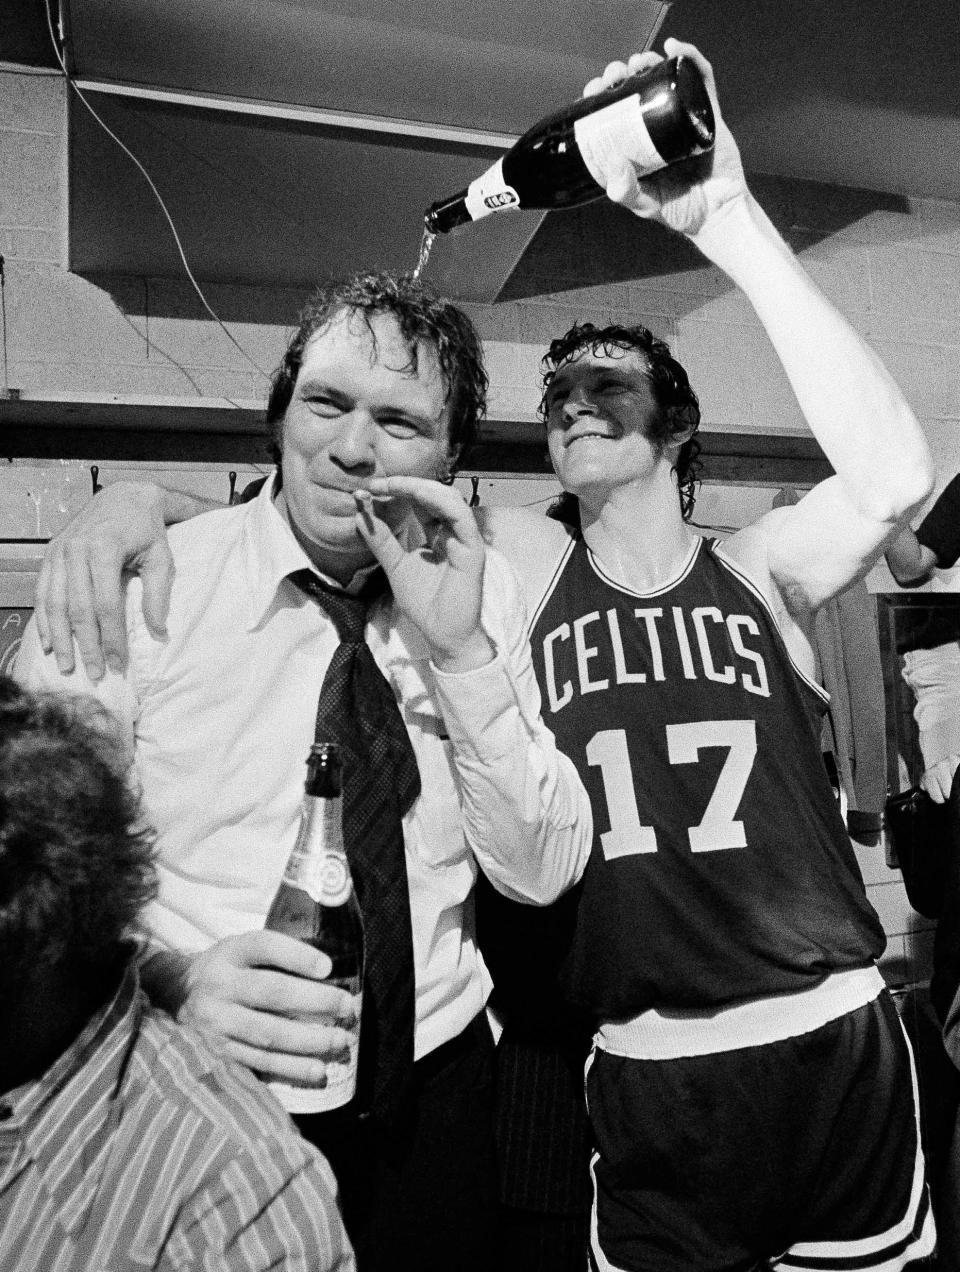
[220, 717]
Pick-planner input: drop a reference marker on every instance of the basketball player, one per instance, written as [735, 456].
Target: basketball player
[750, 1090]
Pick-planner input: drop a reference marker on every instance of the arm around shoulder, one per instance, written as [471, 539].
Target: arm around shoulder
[80, 589]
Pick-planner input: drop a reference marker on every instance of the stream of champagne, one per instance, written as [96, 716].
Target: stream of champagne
[426, 243]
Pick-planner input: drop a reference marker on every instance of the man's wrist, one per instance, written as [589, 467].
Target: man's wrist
[734, 232]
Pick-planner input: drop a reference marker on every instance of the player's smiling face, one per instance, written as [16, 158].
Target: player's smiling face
[598, 409]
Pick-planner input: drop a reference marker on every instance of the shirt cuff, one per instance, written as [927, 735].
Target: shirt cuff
[479, 708]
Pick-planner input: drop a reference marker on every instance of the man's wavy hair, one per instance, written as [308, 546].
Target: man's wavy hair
[678, 406]
[421, 314]
[76, 861]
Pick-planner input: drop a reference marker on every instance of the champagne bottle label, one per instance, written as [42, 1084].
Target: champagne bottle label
[318, 863]
[612, 134]
[334, 881]
[325, 879]
[490, 193]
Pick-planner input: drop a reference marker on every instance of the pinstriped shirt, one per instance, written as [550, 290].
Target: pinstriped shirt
[142, 1148]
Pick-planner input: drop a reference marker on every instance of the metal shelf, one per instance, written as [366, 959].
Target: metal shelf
[118, 427]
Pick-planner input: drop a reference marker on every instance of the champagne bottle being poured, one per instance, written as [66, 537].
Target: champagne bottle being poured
[654, 118]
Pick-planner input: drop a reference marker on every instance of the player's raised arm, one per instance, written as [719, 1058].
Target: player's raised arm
[850, 401]
[852, 404]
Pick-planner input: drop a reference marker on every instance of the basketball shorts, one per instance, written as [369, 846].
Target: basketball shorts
[801, 1155]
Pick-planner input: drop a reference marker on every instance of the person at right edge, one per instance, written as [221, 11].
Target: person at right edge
[751, 1091]
[930, 646]
[929, 641]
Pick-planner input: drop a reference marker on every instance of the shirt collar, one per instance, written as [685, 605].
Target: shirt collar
[81, 1088]
[272, 554]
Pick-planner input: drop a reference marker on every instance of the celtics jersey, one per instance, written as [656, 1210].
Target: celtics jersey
[720, 867]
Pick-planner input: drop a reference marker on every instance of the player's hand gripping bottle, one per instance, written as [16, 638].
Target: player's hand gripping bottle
[654, 118]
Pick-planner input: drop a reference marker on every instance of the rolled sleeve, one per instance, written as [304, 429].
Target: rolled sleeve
[526, 814]
[480, 708]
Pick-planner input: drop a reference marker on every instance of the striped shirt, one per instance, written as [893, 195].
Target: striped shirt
[142, 1148]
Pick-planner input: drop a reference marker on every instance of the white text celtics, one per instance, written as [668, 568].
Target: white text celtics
[664, 644]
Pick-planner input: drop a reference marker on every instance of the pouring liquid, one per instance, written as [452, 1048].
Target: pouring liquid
[427, 240]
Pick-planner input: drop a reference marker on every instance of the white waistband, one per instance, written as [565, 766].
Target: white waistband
[664, 1035]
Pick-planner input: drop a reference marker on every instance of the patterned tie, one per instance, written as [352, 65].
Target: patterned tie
[357, 709]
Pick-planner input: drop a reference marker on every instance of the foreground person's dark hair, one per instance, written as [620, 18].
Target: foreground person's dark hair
[76, 861]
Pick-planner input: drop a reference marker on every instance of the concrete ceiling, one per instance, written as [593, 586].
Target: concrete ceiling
[863, 93]
[294, 139]
[492, 65]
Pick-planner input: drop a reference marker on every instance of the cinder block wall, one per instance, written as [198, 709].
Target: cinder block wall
[896, 274]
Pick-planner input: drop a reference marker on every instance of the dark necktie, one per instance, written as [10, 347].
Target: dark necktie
[357, 709]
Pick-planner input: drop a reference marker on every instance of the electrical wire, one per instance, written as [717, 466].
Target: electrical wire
[3, 322]
[163, 207]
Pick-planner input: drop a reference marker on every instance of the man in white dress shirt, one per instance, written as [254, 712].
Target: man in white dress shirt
[381, 385]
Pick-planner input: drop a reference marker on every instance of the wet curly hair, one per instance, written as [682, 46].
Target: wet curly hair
[421, 314]
[678, 406]
[76, 860]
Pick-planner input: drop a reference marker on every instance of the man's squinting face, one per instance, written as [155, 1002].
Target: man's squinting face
[358, 411]
[599, 407]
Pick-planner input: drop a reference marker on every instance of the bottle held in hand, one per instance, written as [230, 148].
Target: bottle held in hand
[316, 902]
[654, 118]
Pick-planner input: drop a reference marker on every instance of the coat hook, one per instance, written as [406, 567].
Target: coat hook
[94, 475]
[233, 488]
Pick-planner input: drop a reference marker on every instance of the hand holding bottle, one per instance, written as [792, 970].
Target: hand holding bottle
[261, 997]
[686, 195]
